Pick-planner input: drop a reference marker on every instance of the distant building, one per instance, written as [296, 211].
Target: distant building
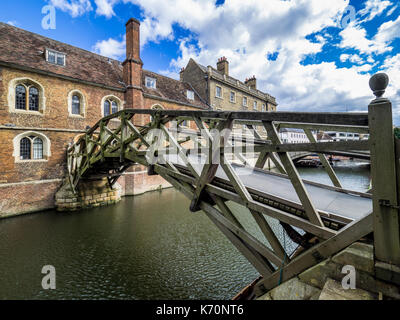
[343, 136]
[223, 92]
[291, 135]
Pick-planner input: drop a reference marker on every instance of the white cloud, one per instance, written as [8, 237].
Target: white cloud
[105, 7]
[388, 31]
[12, 23]
[354, 58]
[74, 7]
[374, 8]
[245, 31]
[354, 36]
[111, 48]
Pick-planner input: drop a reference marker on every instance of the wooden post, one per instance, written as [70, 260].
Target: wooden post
[383, 175]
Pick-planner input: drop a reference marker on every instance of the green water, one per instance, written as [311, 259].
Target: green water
[145, 247]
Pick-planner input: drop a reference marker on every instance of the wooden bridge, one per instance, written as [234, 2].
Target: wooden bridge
[195, 163]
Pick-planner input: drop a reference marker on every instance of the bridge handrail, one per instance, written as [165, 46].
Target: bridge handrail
[129, 141]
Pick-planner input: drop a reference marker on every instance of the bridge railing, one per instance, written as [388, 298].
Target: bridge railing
[195, 161]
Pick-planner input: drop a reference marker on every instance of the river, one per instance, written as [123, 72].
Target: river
[145, 247]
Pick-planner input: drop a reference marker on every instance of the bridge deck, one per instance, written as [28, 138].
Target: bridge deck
[339, 204]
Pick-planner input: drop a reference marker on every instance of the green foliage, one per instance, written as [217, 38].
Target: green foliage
[397, 132]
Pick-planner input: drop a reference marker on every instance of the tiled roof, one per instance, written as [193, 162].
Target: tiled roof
[28, 50]
[171, 89]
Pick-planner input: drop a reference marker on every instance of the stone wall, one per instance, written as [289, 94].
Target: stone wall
[90, 194]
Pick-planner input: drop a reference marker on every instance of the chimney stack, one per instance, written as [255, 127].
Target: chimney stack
[132, 73]
[223, 66]
[181, 74]
[251, 82]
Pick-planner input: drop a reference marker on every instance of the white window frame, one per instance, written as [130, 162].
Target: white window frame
[57, 55]
[264, 107]
[243, 102]
[216, 95]
[190, 94]
[151, 80]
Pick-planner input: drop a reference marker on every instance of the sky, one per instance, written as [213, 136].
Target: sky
[311, 55]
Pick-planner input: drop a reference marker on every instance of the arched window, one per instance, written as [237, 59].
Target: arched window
[33, 99]
[114, 107]
[31, 148]
[22, 102]
[107, 110]
[25, 149]
[20, 97]
[76, 105]
[110, 106]
[37, 148]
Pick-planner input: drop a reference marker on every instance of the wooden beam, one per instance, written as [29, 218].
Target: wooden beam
[294, 176]
[349, 234]
[384, 184]
[325, 163]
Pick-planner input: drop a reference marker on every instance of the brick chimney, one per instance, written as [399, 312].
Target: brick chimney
[132, 73]
[181, 74]
[223, 66]
[251, 82]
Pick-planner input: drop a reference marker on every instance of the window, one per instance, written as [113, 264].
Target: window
[76, 105]
[244, 101]
[37, 148]
[30, 145]
[20, 97]
[190, 94]
[255, 105]
[25, 149]
[218, 92]
[31, 148]
[110, 106]
[55, 57]
[151, 82]
[21, 102]
[263, 107]
[33, 99]
[233, 96]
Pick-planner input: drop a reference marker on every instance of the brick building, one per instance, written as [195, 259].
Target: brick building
[223, 92]
[50, 92]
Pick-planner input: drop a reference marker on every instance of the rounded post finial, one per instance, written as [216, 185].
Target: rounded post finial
[378, 84]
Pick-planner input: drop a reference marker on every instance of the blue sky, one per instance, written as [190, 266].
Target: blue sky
[312, 55]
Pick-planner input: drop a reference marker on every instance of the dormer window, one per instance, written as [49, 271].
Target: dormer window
[190, 94]
[151, 83]
[55, 57]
